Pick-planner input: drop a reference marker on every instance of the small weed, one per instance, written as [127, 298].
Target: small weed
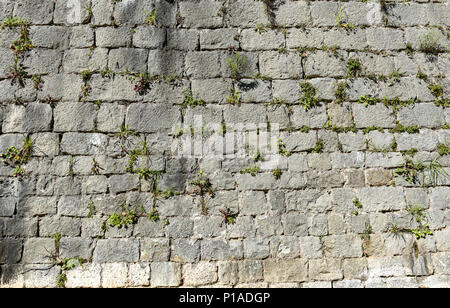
[357, 203]
[107, 73]
[443, 149]
[422, 76]
[236, 65]
[353, 68]
[309, 99]
[203, 187]
[253, 170]
[91, 209]
[235, 96]
[368, 100]
[411, 152]
[260, 28]
[16, 158]
[277, 173]
[318, 147]
[341, 92]
[429, 42]
[190, 101]
[409, 49]
[150, 18]
[229, 218]
[124, 219]
[37, 81]
[96, 167]
[61, 280]
[446, 125]
[341, 20]
[282, 148]
[436, 89]
[304, 129]
[399, 128]
[409, 171]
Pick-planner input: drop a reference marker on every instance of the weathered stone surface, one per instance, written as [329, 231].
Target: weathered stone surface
[116, 250]
[193, 114]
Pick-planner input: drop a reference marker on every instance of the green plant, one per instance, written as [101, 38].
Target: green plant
[353, 68]
[19, 47]
[411, 152]
[277, 173]
[368, 100]
[236, 65]
[444, 102]
[372, 128]
[190, 101]
[341, 20]
[282, 148]
[409, 49]
[260, 28]
[61, 280]
[228, 216]
[123, 135]
[309, 99]
[253, 170]
[37, 81]
[357, 203]
[304, 129]
[235, 96]
[258, 156]
[142, 81]
[399, 128]
[429, 42]
[446, 125]
[106, 72]
[422, 76]
[443, 149]
[203, 186]
[91, 208]
[318, 147]
[436, 89]
[150, 18]
[16, 158]
[124, 219]
[341, 92]
[409, 171]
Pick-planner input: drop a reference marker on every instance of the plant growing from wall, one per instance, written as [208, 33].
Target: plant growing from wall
[252, 170]
[282, 148]
[429, 42]
[203, 187]
[236, 65]
[341, 92]
[16, 158]
[123, 135]
[235, 96]
[353, 68]
[229, 217]
[190, 101]
[309, 99]
[19, 47]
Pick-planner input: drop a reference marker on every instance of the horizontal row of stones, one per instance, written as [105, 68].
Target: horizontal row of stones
[299, 212]
[263, 232]
[373, 38]
[213, 64]
[378, 272]
[240, 13]
[312, 170]
[94, 120]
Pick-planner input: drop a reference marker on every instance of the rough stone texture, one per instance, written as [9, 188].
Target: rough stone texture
[307, 189]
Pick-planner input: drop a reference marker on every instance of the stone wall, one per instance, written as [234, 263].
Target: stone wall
[109, 178]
